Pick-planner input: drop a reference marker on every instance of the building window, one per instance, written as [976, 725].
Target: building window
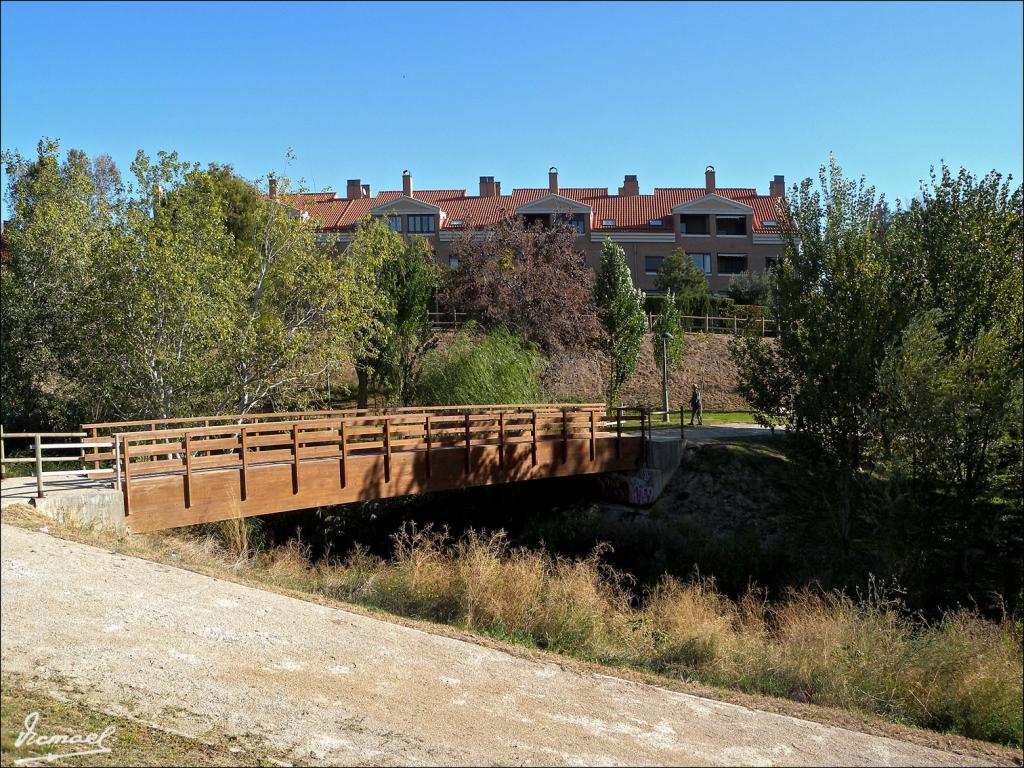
[702, 260]
[772, 262]
[655, 223]
[421, 223]
[652, 264]
[770, 223]
[394, 222]
[693, 224]
[732, 263]
[457, 223]
[453, 261]
[574, 220]
[731, 225]
[607, 222]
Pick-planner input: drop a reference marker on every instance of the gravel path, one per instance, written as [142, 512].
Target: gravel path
[321, 685]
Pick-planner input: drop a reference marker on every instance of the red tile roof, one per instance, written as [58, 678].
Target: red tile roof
[631, 213]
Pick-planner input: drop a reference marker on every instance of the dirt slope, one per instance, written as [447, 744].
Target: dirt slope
[209, 657]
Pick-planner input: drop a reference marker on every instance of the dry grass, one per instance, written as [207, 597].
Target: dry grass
[961, 674]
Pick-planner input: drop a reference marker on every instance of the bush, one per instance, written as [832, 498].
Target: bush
[497, 367]
[750, 287]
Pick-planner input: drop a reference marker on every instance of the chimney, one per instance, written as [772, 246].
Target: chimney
[630, 186]
[709, 178]
[777, 187]
[489, 187]
[553, 180]
[353, 189]
[406, 183]
[497, 189]
[272, 184]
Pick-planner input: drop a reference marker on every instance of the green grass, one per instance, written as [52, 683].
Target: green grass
[131, 743]
[711, 418]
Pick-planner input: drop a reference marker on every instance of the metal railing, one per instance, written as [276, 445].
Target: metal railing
[447, 321]
[715, 324]
[42, 442]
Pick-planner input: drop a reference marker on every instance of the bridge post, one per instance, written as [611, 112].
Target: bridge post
[243, 436]
[533, 437]
[188, 469]
[39, 465]
[618, 431]
[426, 430]
[501, 439]
[295, 457]
[565, 437]
[593, 434]
[467, 443]
[387, 450]
[344, 455]
[127, 476]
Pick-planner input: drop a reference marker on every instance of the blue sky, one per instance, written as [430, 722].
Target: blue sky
[455, 91]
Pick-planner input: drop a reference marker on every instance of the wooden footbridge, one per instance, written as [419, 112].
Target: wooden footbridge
[176, 472]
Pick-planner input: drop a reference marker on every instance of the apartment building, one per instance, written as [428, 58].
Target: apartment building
[725, 230]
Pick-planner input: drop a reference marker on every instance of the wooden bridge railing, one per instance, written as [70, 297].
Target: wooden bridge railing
[179, 476]
[102, 432]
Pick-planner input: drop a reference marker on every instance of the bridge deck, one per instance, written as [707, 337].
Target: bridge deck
[176, 477]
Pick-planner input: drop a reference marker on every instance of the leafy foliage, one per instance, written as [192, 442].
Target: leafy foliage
[530, 279]
[620, 309]
[186, 292]
[900, 355]
[406, 278]
[494, 367]
[670, 320]
[680, 275]
[750, 287]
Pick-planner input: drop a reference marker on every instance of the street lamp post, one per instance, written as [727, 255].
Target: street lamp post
[665, 337]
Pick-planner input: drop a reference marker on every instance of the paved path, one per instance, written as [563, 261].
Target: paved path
[322, 685]
[711, 433]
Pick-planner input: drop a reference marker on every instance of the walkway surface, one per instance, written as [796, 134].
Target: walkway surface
[322, 685]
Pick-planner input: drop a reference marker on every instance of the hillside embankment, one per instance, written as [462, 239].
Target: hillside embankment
[707, 362]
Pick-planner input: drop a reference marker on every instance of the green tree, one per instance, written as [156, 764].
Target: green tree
[59, 220]
[750, 287]
[620, 310]
[494, 367]
[687, 282]
[407, 285]
[377, 249]
[837, 306]
[670, 320]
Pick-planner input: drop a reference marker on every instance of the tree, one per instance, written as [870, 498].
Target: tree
[620, 309]
[669, 321]
[837, 307]
[407, 283]
[750, 287]
[187, 292]
[59, 220]
[679, 274]
[376, 248]
[531, 280]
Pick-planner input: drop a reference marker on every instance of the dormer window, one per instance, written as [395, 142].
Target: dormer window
[607, 222]
[655, 223]
[770, 223]
[457, 223]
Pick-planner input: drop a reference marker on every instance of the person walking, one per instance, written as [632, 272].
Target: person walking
[696, 406]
